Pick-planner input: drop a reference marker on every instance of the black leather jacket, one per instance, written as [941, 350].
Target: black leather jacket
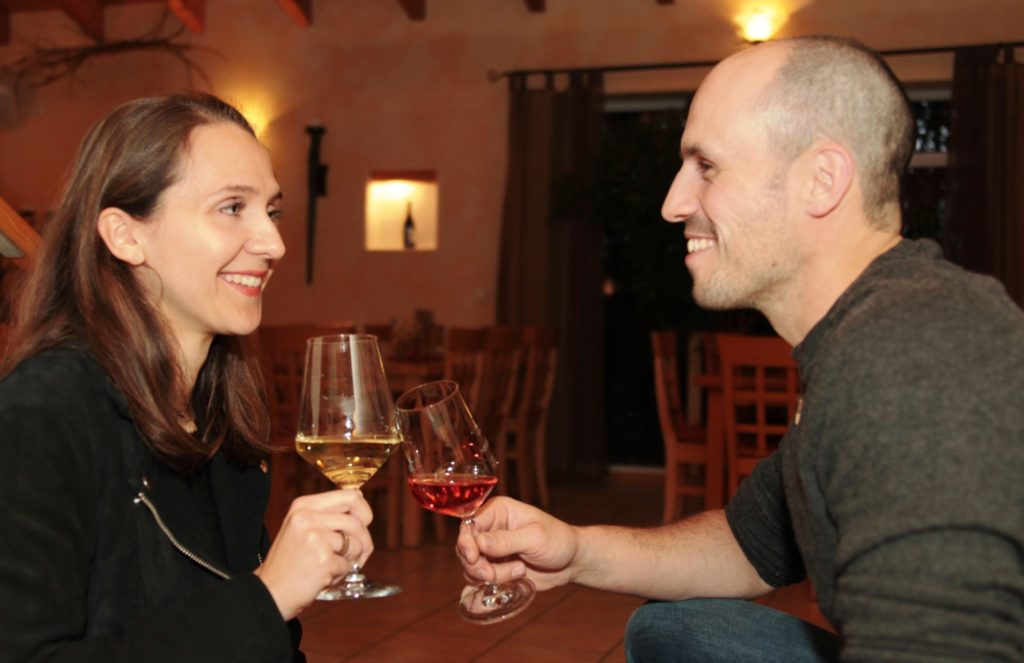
[103, 556]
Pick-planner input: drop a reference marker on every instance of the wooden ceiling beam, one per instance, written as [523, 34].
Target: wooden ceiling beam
[415, 9]
[191, 13]
[536, 6]
[20, 236]
[88, 14]
[301, 11]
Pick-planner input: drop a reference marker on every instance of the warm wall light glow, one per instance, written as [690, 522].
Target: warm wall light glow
[389, 199]
[760, 23]
[257, 105]
[259, 120]
[392, 189]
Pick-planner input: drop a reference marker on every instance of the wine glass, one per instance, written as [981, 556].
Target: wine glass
[347, 427]
[452, 471]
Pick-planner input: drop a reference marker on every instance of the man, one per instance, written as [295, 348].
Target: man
[899, 492]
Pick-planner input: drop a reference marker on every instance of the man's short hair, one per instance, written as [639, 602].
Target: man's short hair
[839, 89]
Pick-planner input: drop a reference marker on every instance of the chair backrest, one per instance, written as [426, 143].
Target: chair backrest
[760, 397]
[500, 389]
[282, 351]
[382, 330]
[539, 377]
[464, 361]
[666, 382]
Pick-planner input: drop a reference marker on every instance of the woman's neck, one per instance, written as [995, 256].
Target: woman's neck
[192, 354]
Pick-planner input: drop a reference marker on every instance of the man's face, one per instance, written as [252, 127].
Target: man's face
[731, 192]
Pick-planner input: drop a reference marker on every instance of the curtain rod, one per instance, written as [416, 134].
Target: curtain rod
[494, 76]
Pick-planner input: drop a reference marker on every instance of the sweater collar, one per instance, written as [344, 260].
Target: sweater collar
[806, 351]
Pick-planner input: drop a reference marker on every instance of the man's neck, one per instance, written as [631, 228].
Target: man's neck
[827, 276]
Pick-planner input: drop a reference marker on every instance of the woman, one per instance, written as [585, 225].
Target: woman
[133, 419]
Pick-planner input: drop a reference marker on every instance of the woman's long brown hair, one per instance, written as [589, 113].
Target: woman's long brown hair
[78, 291]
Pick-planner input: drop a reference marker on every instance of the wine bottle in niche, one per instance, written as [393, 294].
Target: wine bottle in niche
[409, 230]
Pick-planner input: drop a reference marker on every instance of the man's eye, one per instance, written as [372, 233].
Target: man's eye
[705, 169]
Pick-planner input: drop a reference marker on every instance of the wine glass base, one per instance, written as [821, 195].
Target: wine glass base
[489, 604]
[357, 586]
[368, 591]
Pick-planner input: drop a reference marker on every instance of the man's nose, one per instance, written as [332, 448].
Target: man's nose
[681, 202]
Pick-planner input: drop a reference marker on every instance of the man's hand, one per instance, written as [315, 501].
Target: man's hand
[509, 539]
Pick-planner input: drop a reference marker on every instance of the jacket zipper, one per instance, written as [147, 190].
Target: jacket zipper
[141, 497]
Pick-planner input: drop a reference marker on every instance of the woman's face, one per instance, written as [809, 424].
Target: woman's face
[210, 247]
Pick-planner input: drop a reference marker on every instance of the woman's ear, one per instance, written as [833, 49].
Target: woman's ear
[831, 172]
[117, 228]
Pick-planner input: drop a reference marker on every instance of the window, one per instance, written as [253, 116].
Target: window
[925, 190]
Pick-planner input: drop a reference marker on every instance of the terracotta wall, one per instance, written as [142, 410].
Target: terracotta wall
[396, 94]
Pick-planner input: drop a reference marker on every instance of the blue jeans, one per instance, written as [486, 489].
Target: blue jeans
[723, 630]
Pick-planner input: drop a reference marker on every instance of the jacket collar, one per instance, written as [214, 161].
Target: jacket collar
[240, 495]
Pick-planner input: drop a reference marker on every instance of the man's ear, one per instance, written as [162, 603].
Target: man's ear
[117, 228]
[831, 168]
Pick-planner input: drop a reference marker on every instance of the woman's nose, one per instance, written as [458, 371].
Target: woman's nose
[267, 240]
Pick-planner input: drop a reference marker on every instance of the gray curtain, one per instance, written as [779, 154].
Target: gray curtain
[550, 269]
[986, 229]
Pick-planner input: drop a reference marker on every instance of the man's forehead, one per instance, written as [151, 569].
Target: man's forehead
[744, 75]
[725, 103]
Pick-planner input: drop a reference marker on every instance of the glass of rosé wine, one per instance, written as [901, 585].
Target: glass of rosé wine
[452, 471]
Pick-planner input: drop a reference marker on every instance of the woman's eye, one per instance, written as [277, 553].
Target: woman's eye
[275, 214]
[234, 208]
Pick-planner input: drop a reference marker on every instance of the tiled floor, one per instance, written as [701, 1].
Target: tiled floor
[565, 625]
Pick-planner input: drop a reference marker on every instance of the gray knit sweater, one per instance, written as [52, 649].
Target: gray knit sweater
[901, 491]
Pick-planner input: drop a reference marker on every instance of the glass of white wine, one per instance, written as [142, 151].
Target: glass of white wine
[347, 427]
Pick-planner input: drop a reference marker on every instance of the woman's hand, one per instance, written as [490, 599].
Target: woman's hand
[321, 537]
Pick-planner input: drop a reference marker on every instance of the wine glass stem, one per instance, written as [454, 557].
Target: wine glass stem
[355, 575]
[493, 594]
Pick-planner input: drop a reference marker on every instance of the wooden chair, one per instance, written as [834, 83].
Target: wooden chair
[464, 361]
[521, 436]
[282, 350]
[760, 397]
[694, 463]
[501, 395]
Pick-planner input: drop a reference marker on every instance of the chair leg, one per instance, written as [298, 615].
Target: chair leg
[671, 512]
[540, 462]
[394, 503]
[412, 521]
[501, 451]
[524, 463]
[441, 527]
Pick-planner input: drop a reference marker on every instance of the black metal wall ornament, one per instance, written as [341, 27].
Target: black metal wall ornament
[317, 185]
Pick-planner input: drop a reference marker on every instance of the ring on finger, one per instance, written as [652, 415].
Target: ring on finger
[344, 544]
